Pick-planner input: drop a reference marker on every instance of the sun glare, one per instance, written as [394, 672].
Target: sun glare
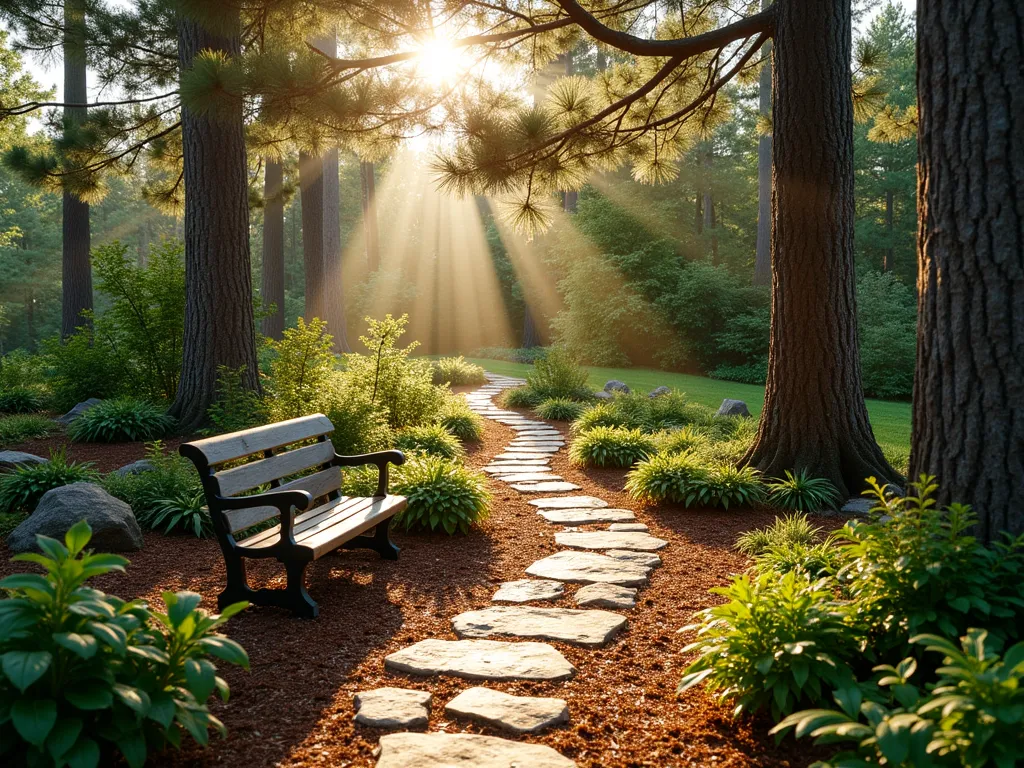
[441, 63]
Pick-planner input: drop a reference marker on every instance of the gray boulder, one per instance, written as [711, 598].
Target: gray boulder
[659, 391]
[603, 395]
[614, 385]
[135, 468]
[77, 411]
[114, 527]
[13, 459]
[733, 408]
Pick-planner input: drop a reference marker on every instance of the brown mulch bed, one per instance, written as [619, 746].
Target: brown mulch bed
[295, 707]
[105, 457]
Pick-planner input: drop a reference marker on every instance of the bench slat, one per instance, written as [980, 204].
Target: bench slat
[256, 473]
[379, 511]
[302, 521]
[318, 484]
[236, 445]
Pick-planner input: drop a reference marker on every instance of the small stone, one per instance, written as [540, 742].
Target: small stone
[567, 625]
[860, 507]
[585, 516]
[570, 502]
[393, 708]
[642, 542]
[78, 410]
[648, 559]
[628, 527]
[135, 468]
[481, 660]
[114, 527]
[518, 714]
[733, 408]
[527, 590]
[614, 385]
[659, 391]
[606, 596]
[602, 395]
[464, 750]
[13, 459]
[550, 486]
[588, 568]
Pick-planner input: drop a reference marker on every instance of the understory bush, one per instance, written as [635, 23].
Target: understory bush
[360, 425]
[527, 355]
[20, 400]
[433, 439]
[24, 426]
[457, 371]
[519, 397]
[301, 371]
[87, 675]
[560, 409]
[802, 493]
[19, 369]
[442, 494]
[121, 419]
[458, 418]
[171, 476]
[611, 447]
[685, 479]
[558, 375]
[21, 489]
[235, 407]
[81, 367]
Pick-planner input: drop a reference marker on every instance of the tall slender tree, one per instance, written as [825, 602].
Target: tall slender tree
[272, 277]
[311, 191]
[371, 231]
[763, 249]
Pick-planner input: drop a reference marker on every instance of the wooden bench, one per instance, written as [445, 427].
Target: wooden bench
[304, 532]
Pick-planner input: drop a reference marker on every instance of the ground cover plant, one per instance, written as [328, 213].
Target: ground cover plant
[458, 418]
[457, 371]
[24, 426]
[22, 488]
[86, 674]
[802, 493]
[168, 476]
[611, 447]
[560, 409]
[20, 400]
[121, 419]
[686, 479]
[432, 438]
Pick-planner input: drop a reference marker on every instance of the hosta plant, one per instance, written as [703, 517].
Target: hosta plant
[169, 476]
[185, 512]
[433, 439]
[680, 440]
[87, 677]
[560, 409]
[442, 494]
[24, 487]
[121, 419]
[667, 477]
[728, 486]
[611, 447]
[801, 492]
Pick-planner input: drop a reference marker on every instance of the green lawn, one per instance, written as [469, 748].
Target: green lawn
[891, 421]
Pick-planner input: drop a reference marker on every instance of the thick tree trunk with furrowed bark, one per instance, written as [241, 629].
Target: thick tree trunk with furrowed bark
[370, 229]
[763, 250]
[311, 190]
[968, 427]
[272, 287]
[814, 416]
[219, 325]
[334, 286]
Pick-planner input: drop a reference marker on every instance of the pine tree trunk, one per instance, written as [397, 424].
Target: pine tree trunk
[272, 288]
[334, 286]
[968, 427]
[370, 229]
[531, 338]
[887, 254]
[219, 324]
[814, 416]
[699, 210]
[763, 251]
[311, 190]
[76, 272]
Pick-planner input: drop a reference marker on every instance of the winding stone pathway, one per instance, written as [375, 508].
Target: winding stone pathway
[610, 581]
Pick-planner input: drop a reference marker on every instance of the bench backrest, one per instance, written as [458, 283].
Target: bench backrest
[270, 460]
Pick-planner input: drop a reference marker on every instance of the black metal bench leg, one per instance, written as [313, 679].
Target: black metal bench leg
[382, 542]
[237, 588]
[296, 597]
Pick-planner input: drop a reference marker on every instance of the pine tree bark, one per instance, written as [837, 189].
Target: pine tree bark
[76, 271]
[370, 228]
[334, 285]
[219, 323]
[968, 422]
[272, 284]
[311, 190]
[531, 338]
[763, 250]
[814, 415]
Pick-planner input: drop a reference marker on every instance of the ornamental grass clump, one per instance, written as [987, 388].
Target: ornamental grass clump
[667, 477]
[24, 426]
[442, 494]
[168, 476]
[433, 439]
[459, 419]
[791, 530]
[120, 420]
[20, 400]
[560, 409]
[519, 397]
[22, 489]
[680, 440]
[610, 447]
[802, 493]
[559, 375]
[88, 678]
[457, 371]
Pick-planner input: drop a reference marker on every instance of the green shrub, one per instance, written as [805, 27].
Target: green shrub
[898, 457]
[25, 426]
[83, 366]
[821, 559]
[19, 369]
[458, 418]
[87, 674]
[433, 439]
[648, 414]
[519, 397]
[20, 400]
[610, 447]
[457, 371]
[728, 485]
[171, 476]
[120, 420]
[186, 512]
[600, 415]
[971, 717]
[680, 440]
[560, 409]
[777, 643]
[788, 531]
[235, 407]
[441, 493]
[21, 489]
[724, 452]
[360, 425]
[667, 477]
[558, 374]
[301, 372]
[887, 328]
[513, 355]
[802, 493]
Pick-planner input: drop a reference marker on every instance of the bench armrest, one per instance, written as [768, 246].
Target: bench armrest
[380, 459]
[285, 501]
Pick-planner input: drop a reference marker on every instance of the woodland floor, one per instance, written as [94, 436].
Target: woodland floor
[294, 708]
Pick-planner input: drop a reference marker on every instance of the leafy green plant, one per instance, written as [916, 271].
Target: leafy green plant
[680, 440]
[667, 477]
[170, 476]
[20, 400]
[728, 485]
[558, 375]
[83, 366]
[648, 414]
[85, 673]
[121, 419]
[519, 397]
[970, 718]
[24, 426]
[22, 489]
[442, 494]
[600, 415]
[300, 381]
[560, 409]
[20, 369]
[235, 407]
[898, 457]
[721, 452]
[457, 371]
[788, 531]
[610, 447]
[528, 355]
[185, 512]
[821, 559]
[776, 643]
[802, 493]
[360, 425]
[458, 418]
[433, 439]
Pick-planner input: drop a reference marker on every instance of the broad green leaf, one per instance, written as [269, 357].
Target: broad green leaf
[85, 754]
[27, 581]
[111, 634]
[83, 646]
[180, 604]
[161, 709]
[89, 695]
[133, 747]
[33, 719]
[201, 677]
[23, 668]
[134, 698]
[63, 736]
[225, 649]
[77, 537]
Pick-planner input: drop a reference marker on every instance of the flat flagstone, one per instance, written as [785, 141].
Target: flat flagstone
[584, 516]
[535, 448]
[512, 469]
[642, 542]
[464, 750]
[648, 559]
[568, 625]
[605, 596]
[514, 455]
[529, 477]
[539, 440]
[549, 486]
[628, 527]
[481, 660]
[518, 714]
[589, 568]
[570, 502]
[525, 590]
[393, 708]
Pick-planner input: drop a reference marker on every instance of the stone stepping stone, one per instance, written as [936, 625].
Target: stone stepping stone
[550, 486]
[393, 708]
[568, 625]
[641, 542]
[606, 596]
[628, 527]
[589, 568]
[518, 714]
[648, 559]
[526, 590]
[512, 469]
[570, 502]
[545, 441]
[529, 428]
[530, 477]
[524, 456]
[452, 750]
[584, 516]
[534, 449]
[481, 660]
